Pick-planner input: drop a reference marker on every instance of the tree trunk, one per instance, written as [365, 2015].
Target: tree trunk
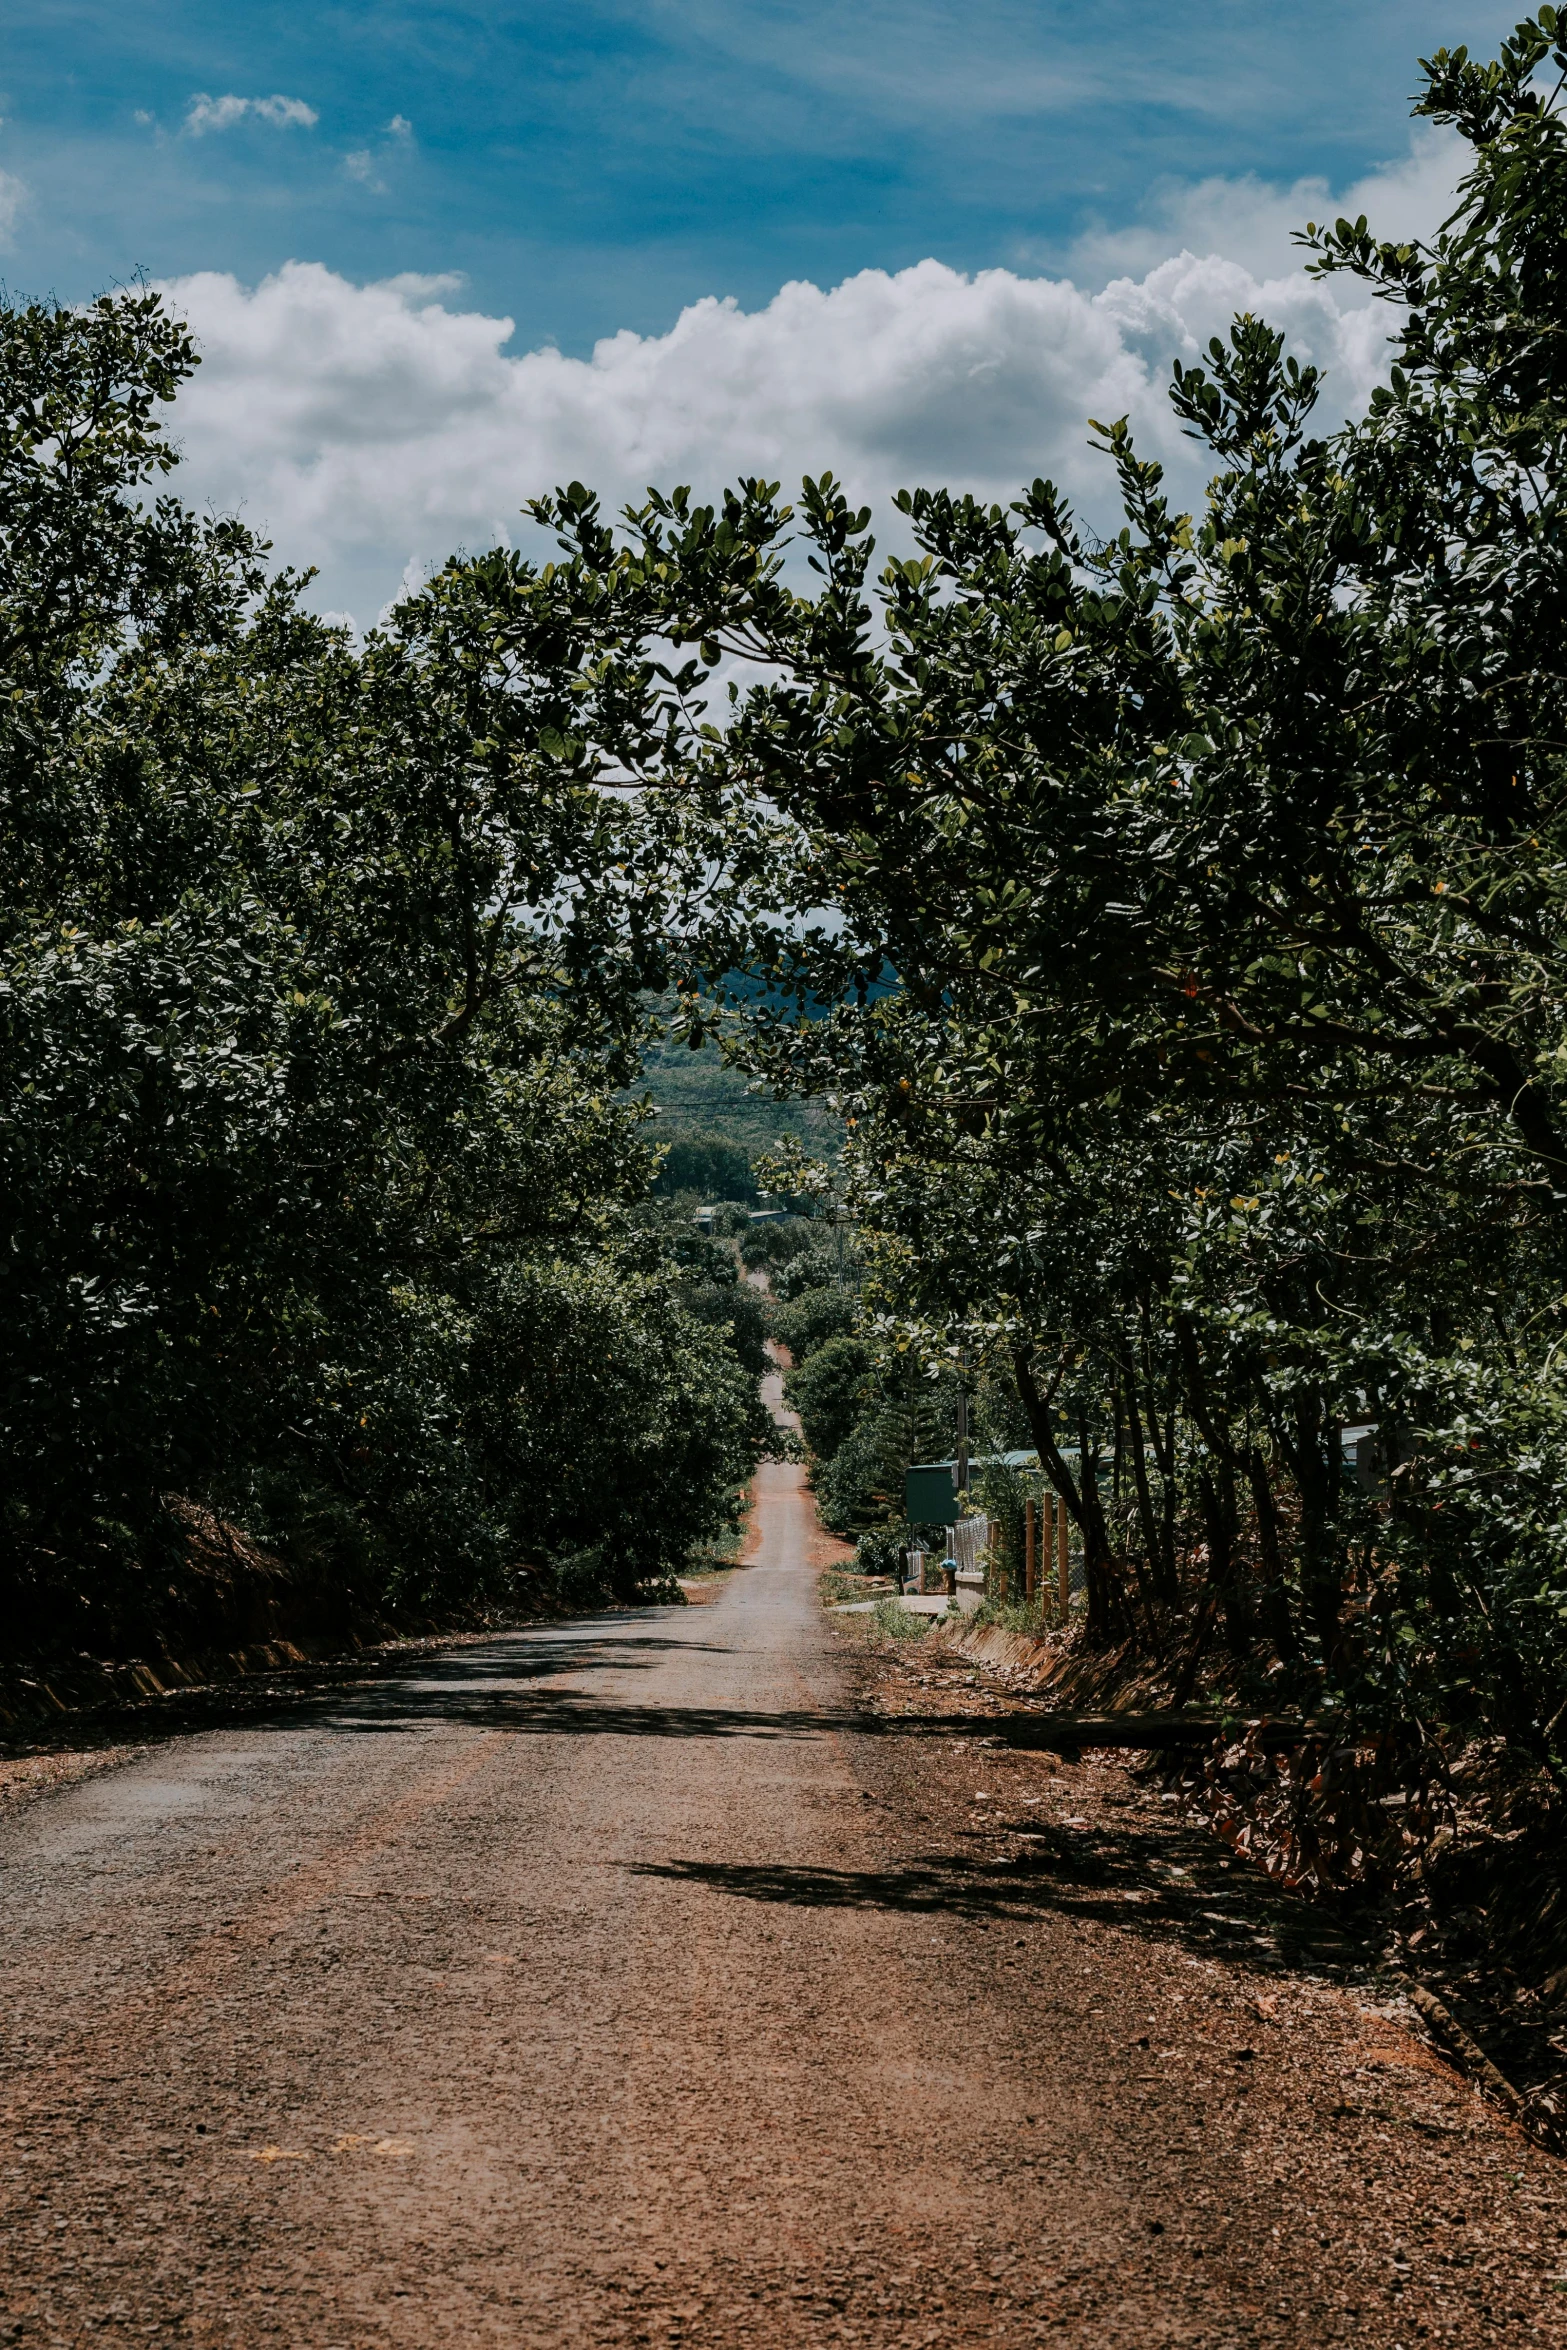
[1161, 1567]
[1106, 1613]
[1080, 1498]
[1322, 1571]
[1216, 1493]
[1275, 1596]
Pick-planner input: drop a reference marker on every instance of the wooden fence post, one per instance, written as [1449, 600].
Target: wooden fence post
[1063, 1560]
[1028, 1551]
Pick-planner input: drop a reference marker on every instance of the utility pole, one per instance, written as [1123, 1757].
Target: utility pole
[962, 1426]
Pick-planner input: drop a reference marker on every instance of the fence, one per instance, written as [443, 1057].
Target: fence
[1052, 1564]
[969, 1544]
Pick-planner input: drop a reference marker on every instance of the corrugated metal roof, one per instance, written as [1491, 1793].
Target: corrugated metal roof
[1026, 1459]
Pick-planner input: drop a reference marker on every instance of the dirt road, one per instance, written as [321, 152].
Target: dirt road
[614, 1982]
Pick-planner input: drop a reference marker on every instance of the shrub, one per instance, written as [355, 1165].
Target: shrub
[708, 1164]
[827, 1390]
[880, 1549]
[806, 1322]
[774, 1244]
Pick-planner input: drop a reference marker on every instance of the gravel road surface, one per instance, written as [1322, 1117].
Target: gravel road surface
[620, 1982]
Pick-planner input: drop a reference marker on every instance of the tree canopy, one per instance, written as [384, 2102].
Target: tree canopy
[1222, 865]
[323, 969]
[1193, 992]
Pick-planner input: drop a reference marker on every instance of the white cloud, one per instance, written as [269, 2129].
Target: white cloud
[364, 164]
[371, 426]
[13, 198]
[221, 114]
[1253, 223]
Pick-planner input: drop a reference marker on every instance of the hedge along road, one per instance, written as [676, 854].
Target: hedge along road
[618, 1981]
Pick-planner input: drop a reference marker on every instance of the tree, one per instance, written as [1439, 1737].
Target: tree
[321, 967]
[707, 1164]
[807, 1321]
[1222, 870]
[826, 1391]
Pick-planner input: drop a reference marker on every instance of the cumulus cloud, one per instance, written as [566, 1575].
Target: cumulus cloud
[1254, 223]
[220, 114]
[13, 196]
[364, 164]
[367, 427]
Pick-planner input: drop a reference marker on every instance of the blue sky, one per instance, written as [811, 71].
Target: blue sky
[440, 257]
[592, 166]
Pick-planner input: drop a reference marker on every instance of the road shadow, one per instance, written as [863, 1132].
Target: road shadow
[367, 1691]
[568, 1713]
[1121, 1879]
[544, 1709]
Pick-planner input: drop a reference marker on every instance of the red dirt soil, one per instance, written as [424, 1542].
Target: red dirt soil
[628, 1981]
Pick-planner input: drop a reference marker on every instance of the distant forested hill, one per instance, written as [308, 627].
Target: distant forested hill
[717, 1127]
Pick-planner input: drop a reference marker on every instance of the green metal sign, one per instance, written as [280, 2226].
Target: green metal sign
[929, 1495]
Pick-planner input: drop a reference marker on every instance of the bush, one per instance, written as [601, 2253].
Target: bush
[880, 1550]
[827, 1390]
[806, 1322]
[894, 1621]
[708, 1164]
[774, 1244]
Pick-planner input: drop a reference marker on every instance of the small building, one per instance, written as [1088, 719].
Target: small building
[930, 1488]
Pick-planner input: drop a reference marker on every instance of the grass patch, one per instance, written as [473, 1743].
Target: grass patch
[836, 1584]
[896, 1622]
[709, 1560]
[1029, 1617]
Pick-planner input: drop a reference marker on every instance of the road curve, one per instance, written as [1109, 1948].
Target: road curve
[502, 2003]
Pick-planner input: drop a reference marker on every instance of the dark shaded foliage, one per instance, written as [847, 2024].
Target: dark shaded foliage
[1221, 1104]
[321, 967]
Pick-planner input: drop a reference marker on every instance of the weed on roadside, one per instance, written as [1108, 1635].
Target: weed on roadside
[835, 1585]
[894, 1621]
[1027, 1616]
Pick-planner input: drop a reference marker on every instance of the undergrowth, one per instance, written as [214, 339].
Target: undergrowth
[897, 1622]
